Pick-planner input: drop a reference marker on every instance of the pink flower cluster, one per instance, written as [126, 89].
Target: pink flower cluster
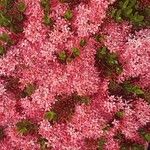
[34, 59]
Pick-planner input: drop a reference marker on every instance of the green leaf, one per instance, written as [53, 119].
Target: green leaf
[125, 4]
[112, 59]
[147, 137]
[62, 56]
[139, 18]
[109, 62]
[118, 15]
[137, 90]
[47, 20]
[128, 11]
[147, 11]
[121, 4]
[43, 143]
[19, 17]
[102, 52]
[4, 37]
[132, 88]
[2, 50]
[44, 3]
[25, 127]
[82, 42]
[29, 89]
[106, 128]
[50, 116]
[75, 52]
[4, 20]
[82, 99]
[118, 69]
[113, 13]
[21, 7]
[99, 37]
[132, 3]
[119, 114]
[6, 3]
[68, 15]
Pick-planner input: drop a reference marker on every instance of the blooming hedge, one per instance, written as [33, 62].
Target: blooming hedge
[74, 74]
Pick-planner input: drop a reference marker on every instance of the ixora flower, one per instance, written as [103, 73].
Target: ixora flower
[74, 74]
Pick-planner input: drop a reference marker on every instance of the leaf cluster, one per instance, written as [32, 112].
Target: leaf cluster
[12, 15]
[128, 10]
[65, 57]
[25, 127]
[128, 90]
[4, 38]
[45, 4]
[68, 15]
[108, 61]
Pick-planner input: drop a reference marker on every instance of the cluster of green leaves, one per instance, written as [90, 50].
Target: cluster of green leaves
[45, 4]
[2, 133]
[25, 127]
[68, 15]
[144, 132]
[126, 144]
[108, 62]
[107, 127]
[12, 15]
[29, 90]
[4, 38]
[43, 143]
[128, 9]
[65, 57]
[128, 90]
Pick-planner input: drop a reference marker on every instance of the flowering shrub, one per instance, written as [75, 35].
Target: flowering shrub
[74, 74]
